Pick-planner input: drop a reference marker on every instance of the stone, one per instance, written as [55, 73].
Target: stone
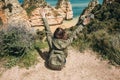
[87, 16]
[2, 13]
[14, 13]
[37, 3]
[65, 8]
[51, 15]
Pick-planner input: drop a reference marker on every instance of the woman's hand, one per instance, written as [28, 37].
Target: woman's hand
[42, 12]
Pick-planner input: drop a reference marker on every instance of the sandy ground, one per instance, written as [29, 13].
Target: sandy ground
[65, 24]
[79, 66]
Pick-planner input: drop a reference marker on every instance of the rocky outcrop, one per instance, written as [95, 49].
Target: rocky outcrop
[65, 9]
[14, 12]
[86, 15]
[90, 7]
[56, 15]
[51, 14]
[37, 3]
[3, 17]
[110, 1]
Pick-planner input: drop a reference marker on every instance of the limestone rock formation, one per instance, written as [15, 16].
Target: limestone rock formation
[86, 15]
[65, 9]
[14, 12]
[2, 13]
[51, 14]
[55, 16]
[90, 7]
[37, 3]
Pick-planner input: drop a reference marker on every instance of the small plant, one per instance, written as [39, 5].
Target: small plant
[40, 34]
[16, 41]
[29, 59]
[16, 46]
[30, 9]
[1, 23]
[11, 62]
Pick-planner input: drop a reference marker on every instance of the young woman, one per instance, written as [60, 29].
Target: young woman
[58, 44]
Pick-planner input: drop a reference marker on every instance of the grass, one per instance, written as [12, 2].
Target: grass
[25, 61]
[1, 23]
[28, 58]
[41, 45]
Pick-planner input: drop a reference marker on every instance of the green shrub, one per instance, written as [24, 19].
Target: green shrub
[15, 41]
[103, 33]
[97, 7]
[1, 23]
[11, 61]
[40, 34]
[30, 9]
[108, 46]
[26, 61]
[16, 46]
[29, 59]
[40, 45]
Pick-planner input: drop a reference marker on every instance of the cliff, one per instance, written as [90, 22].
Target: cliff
[103, 32]
[63, 10]
[3, 18]
[14, 13]
[51, 14]
[86, 15]
[11, 12]
[37, 3]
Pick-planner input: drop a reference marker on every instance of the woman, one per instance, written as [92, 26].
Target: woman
[58, 44]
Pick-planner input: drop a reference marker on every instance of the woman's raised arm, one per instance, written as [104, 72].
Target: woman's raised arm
[72, 37]
[47, 28]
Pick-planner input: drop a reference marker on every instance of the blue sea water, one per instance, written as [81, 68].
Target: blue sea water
[77, 5]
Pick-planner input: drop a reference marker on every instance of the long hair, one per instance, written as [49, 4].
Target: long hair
[60, 34]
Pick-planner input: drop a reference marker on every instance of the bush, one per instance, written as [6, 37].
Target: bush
[108, 46]
[16, 46]
[15, 41]
[40, 34]
[103, 33]
[30, 9]
[26, 61]
[1, 23]
[29, 59]
[97, 7]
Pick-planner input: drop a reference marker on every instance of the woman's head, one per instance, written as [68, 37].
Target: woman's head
[60, 34]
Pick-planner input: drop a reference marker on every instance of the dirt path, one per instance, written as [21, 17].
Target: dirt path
[79, 66]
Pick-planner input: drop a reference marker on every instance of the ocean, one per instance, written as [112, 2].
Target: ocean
[77, 5]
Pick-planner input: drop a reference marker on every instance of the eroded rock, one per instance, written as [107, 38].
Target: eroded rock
[56, 15]
[14, 13]
[64, 8]
[86, 15]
